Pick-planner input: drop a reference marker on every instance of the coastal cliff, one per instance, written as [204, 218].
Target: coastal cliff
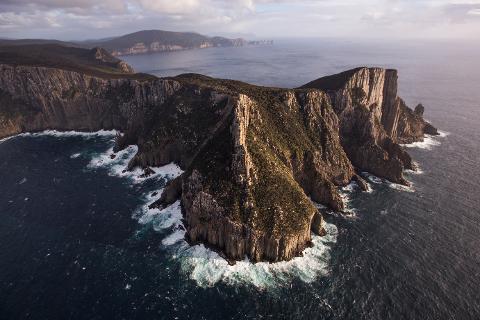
[374, 120]
[250, 181]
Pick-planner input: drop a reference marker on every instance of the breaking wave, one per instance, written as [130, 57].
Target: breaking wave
[370, 177]
[206, 267]
[117, 163]
[61, 134]
[55, 133]
[429, 141]
[6, 139]
[401, 187]
[346, 193]
[443, 134]
[418, 170]
[379, 181]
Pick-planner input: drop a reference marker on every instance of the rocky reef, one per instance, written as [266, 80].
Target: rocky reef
[255, 159]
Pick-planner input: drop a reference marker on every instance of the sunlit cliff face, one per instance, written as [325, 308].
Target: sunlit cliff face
[83, 19]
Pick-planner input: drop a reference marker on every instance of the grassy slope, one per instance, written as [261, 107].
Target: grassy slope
[270, 145]
[62, 57]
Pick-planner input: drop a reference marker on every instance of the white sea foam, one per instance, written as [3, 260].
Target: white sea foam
[170, 217]
[401, 187]
[169, 171]
[346, 195]
[318, 205]
[117, 164]
[6, 139]
[418, 170]
[55, 133]
[350, 187]
[370, 177]
[392, 185]
[428, 142]
[177, 236]
[443, 134]
[206, 267]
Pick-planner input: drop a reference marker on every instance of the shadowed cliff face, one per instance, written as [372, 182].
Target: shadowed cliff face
[374, 120]
[254, 157]
[39, 98]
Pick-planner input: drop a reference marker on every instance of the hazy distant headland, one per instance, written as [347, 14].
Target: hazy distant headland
[148, 41]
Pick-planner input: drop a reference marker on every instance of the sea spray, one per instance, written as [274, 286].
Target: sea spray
[429, 141]
[206, 267]
[418, 170]
[346, 194]
[117, 165]
[379, 181]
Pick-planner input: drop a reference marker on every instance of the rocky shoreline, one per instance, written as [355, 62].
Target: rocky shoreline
[254, 158]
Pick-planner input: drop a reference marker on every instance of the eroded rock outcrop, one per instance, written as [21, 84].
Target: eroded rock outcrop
[374, 120]
[40, 98]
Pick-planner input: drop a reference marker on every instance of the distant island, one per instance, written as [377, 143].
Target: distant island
[256, 160]
[147, 41]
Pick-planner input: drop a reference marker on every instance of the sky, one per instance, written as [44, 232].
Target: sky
[93, 19]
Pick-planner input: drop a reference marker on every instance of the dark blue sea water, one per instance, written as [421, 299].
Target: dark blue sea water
[77, 242]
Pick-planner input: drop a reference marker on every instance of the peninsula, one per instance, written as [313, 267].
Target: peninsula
[256, 160]
[146, 41]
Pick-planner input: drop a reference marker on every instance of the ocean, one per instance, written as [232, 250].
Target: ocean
[77, 240]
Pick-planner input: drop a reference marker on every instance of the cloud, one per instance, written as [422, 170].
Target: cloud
[266, 18]
[462, 12]
[85, 5]
[171, 7]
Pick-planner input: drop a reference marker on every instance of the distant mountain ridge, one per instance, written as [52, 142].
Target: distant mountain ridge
[25, 42]
[148, 41]
[145, 41]
[157, 41]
